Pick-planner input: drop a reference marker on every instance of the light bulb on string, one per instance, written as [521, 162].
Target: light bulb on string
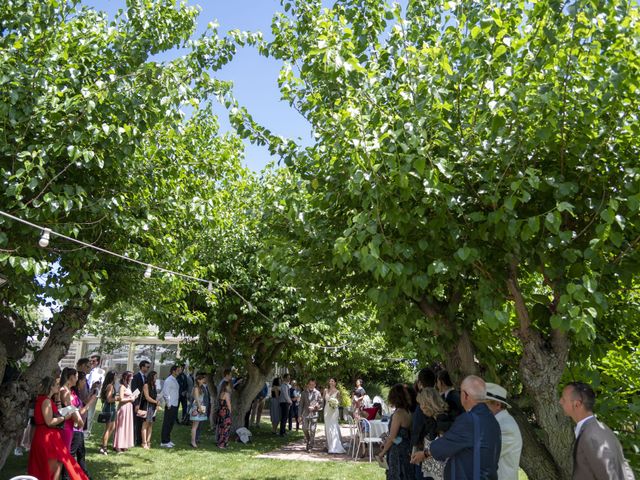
[210, 287]
[44, 239]
[147, 272]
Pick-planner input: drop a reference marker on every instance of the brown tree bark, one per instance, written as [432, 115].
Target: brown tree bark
[15, 395]
[541, 367]
[535, 459]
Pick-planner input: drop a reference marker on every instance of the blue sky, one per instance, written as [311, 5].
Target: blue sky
[254, 77]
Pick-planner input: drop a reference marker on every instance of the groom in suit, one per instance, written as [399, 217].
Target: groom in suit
[310, 405]
[597, 453]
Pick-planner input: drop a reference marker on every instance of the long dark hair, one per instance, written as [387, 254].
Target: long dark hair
[82, 377]
[67, 372]
[151, 383]
[125, 378]
[109, 379]
[46, 384]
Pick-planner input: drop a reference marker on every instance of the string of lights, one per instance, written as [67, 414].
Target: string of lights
[48, 234]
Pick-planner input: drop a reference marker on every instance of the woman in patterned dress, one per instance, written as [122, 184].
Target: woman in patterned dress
[398, 444]
[199, 406]
[224, 414]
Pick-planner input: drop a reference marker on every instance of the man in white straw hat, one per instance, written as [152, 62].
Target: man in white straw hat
[509, 463]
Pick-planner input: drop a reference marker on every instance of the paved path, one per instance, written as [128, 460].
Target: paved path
[296, 450]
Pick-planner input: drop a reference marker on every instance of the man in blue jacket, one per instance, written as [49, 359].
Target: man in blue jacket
[473, 442]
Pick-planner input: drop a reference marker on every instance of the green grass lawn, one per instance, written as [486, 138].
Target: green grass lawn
[208, 462]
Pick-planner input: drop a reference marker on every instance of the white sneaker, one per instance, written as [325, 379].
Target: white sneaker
[166, 445]
[172, 444]
[17, 452]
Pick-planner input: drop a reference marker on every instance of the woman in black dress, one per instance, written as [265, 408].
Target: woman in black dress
[398, 444]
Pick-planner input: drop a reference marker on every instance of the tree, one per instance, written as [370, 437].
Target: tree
[480, 164]
[78, 99]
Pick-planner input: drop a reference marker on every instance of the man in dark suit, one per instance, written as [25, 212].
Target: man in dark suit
[137, 383]
[597, 453]
[449, 394]
[473, 442]
[426, 379]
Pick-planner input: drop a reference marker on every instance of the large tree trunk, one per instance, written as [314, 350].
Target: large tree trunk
[541, 366]
[258, 367]
[535, 460]
[15, 395]
[460, 360]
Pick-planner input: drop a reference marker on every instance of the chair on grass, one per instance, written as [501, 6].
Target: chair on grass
[353, 435]
[23, 477]
[365, 438]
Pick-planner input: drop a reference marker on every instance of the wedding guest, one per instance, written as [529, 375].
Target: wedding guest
[224, 414]
[449, 394]
[258, 405]
[310, 405]
[137, 383]
[357, 400]
[94, 380]
[398, 443]
[274, 404]
[84, 365]
[78, 449]
[108, 397]
[206, 396]
[597, 453]
[183, 383]
[436, 422]
[148, 405]
[426, 379]
[285, 403]
[509, 463]
[294, 411]
[226, 377]
[199, 406]
[123, 437]
[458, 446]
[171, 395]
[48, 452]
[68, 380]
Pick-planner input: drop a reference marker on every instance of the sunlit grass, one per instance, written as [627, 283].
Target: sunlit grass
[207, 462]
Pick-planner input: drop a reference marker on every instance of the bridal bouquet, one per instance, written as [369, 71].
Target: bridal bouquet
[333, 402]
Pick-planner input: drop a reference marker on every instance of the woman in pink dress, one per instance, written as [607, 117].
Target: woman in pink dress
[123, 438]
[68, 380]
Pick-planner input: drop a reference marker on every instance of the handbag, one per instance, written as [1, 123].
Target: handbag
[105, 415]
[430, 466]
[141, 413]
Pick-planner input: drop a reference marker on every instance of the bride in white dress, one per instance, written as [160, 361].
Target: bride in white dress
[331, 417]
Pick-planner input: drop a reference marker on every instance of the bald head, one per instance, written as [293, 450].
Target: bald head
[473, 391]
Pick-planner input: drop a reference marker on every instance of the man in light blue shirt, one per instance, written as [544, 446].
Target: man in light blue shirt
[171, 396]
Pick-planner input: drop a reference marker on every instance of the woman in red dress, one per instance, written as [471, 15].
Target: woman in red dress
[48, 450]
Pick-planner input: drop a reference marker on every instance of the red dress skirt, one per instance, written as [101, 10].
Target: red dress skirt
[48, 444]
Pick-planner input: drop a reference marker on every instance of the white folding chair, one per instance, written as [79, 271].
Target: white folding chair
[365, 438]
[23, 477]
[353, 435]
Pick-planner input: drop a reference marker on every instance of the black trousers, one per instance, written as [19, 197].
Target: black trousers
[170, 415]
[137, 429]
[78, 452]
[284, 417]
[185, 406]
[293, 415]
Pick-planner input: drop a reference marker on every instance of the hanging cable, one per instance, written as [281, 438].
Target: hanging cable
[47, 233]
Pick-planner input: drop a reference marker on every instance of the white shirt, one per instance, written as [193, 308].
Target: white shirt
[96, 374]
[580, 423]
[171, 391]
[509, 463]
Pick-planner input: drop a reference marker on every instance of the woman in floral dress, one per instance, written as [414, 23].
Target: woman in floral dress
[224, 414]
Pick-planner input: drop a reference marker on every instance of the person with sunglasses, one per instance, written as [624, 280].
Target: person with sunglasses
[597, 453]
